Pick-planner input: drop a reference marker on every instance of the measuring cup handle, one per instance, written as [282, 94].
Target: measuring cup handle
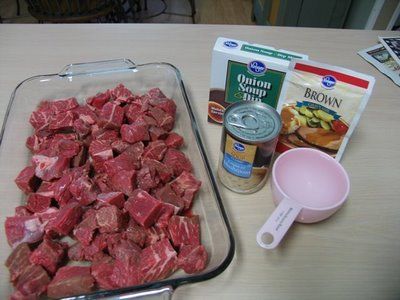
[275, 228]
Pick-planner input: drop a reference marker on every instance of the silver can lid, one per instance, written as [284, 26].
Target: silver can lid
[254, 122]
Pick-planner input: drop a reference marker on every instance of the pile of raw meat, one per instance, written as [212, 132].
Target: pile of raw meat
[107, 185]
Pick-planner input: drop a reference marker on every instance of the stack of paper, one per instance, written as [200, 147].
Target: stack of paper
[385, 57]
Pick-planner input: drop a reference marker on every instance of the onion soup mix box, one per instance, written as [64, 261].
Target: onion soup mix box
[241, 71]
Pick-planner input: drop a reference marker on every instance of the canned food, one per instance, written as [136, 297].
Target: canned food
[249, 136]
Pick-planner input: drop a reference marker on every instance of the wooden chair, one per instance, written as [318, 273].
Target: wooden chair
[75, 11]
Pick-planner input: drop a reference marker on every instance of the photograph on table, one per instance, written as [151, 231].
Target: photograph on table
[380, 58]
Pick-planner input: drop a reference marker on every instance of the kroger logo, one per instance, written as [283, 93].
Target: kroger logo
[238, 147]
[328, 82]
[256, 67]
[231, 44]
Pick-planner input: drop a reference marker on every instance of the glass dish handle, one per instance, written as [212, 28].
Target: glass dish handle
[97, 67]
[163, 293]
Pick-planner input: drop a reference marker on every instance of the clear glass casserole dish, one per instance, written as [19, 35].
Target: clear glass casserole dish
[81, 81]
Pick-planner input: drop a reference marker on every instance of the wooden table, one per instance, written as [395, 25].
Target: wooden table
[353, 255]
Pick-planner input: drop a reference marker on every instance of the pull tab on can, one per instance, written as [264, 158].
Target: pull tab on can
[246, 121]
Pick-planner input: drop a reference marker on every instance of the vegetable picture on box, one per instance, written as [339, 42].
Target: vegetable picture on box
[320, 106]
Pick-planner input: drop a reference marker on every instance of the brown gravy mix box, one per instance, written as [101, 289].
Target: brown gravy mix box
[241, 71]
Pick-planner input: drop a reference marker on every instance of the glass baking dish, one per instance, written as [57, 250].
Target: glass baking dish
[86, 79]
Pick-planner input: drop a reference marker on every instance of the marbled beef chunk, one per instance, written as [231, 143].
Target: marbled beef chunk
[192, 258]
[27, 180]
[49, 255]
[69, 281]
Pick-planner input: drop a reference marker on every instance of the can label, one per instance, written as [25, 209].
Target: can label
[238, 157]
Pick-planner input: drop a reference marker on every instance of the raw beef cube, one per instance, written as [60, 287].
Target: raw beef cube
[177, 161]
[174, 140]
[63, 121]
[100, 150]
[192, 259]
[155, 150]
[122, 162]
[121, 94]
[146, 179]
[134, 110]
[63, 105]
[109, 219]
[184, 230]
[124, 181]
[25, 229]
[135, 151]
[135, 233]
[102, 271]
[157, 133]
[167, 195]
[49, 254]
[156, 93]
[27, 181]
[108, 136]
[112, 198]
[47, 217]
[146, 119]
[111, 116]
[69, 281]
[86, 114]
[37, 143]
[34, 143]
[101, 181]
[164, 172]
[164, 120]
[158, 261]
[126, 275]
[48, 168]
[60, 189]
[119, 146]
[112, 239]
[18, 261]
[65, 147]
[166, 105]
[40, 119]
[84, 190]
[38, 203]
[134, 133]
[67, 218]
[76, 252]
[155, 234]
[166, 212]
[82, 128]
[99, 100]
[46, 189]
[186, 186]
[84, 232]
[33, 280]
[22, 211]
[126, 251]
[143, 208]
[94, 252]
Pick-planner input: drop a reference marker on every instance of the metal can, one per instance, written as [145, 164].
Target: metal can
[249, 136]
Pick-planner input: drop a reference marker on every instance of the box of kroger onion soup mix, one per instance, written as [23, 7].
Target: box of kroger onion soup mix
[241, 71]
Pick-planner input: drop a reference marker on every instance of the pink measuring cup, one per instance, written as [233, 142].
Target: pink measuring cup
[307, 186]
